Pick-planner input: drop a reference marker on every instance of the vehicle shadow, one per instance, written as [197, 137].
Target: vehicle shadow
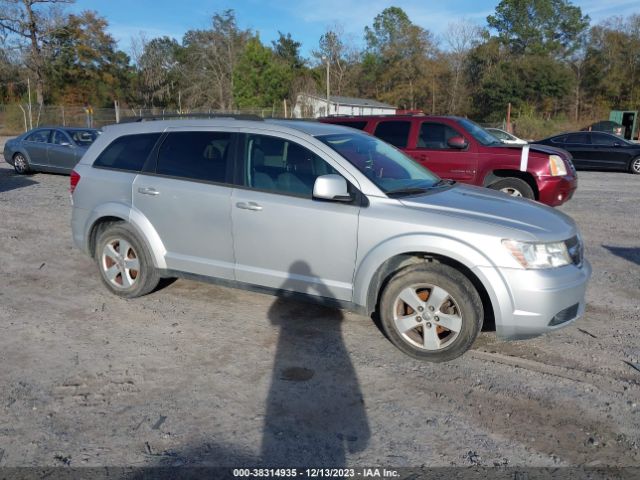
[632, 254]
[10, 180]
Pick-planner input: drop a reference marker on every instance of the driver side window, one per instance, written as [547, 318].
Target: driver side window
[278, 165]
[434, 136]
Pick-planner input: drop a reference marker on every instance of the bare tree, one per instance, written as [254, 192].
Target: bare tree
[337, 49]
[459, 38]
[210, 61]
[31, 23]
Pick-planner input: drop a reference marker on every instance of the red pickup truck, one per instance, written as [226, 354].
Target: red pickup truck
[459, 149]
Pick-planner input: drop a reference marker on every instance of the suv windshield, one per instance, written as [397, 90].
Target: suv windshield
[479, 133]
[391, 170]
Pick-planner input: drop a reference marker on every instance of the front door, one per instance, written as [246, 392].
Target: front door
[608, 151]
[62, 152]
[283, 238]
[187, 199]
[432, 151]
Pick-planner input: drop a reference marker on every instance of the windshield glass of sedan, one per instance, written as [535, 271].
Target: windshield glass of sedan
[390, 169]
[479, 133]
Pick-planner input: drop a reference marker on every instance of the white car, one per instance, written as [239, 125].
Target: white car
[506, 137]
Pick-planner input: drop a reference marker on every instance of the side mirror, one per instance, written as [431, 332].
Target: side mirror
[331, 187]
[457, 142]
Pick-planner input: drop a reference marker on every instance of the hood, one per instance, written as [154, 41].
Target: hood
[538, 148]
[533, 220]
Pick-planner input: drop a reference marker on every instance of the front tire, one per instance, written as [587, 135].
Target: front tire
[514, 187]
[431, 312]
[634, 167]
[125, 265]
[21, 164]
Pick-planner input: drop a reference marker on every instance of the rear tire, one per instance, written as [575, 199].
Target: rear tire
[125, 265]
[431, 312]
[21, 164]
[634, 167]
[514, 187]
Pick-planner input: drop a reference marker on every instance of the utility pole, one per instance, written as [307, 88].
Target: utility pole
[327, 59]
[29, 93]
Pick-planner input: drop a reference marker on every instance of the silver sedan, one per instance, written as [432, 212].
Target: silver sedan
[48, 149]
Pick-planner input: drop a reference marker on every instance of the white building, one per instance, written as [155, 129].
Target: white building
[316, 106]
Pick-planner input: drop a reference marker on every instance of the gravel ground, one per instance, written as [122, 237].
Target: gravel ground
[196, 374]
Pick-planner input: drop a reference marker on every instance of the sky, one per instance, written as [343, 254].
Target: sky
[306, 20]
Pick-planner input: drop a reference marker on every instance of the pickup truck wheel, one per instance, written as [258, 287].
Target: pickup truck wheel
[431, 312]
[635, 166]
[21, 164]
[514, 187]
[125, 265]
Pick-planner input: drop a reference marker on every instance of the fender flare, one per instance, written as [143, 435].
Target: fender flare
[138, 221]
[429, 244]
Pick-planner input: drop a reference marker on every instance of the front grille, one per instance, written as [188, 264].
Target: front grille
[565, 315]
[575, 249]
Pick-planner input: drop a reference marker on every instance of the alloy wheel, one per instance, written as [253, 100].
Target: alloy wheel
[120, 263]
[20, 163]
[514, 192]
[427, 317]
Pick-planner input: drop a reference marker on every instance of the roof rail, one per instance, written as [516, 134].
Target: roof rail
[178, 116]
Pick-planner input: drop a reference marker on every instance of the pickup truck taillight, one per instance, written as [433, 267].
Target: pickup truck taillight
[73, 182]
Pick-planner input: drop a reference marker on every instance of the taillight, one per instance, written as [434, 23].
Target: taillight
[73, 183]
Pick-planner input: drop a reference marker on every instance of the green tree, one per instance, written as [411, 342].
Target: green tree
[538, 27]
[288, 50]
[158, 71]
[399, 59]
[260, 80]
[85, 64]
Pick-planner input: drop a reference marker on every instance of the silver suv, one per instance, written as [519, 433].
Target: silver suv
[329, 213]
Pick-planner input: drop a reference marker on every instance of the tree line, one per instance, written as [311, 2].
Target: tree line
[545, 57]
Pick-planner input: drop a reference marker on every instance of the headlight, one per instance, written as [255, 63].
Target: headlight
[539, 255]
[557, 167]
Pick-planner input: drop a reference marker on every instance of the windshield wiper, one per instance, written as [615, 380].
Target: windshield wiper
[406, 191]
[444, 181]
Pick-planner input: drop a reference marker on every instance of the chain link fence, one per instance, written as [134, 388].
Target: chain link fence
[15, 119]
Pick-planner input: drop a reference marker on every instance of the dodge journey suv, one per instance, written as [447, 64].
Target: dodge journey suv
[330, 214]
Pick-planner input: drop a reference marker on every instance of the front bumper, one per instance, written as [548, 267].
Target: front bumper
[555, 191]
[540, 301]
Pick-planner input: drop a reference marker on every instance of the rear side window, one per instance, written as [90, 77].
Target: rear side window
[195, 155]
[358, 125]
[41, 136]
[560, 139]
[128, 152]
[604, 140]
[578, 138]
[395, 133]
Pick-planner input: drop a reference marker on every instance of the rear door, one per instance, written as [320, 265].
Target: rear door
[579, 144]
[431, 150]
[36, 145]
[186, 196]
[283, 238]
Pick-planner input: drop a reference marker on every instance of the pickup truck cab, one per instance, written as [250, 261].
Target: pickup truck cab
[458, 149]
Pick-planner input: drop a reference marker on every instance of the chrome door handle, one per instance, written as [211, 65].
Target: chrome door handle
[148, 191]
[249, 206]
